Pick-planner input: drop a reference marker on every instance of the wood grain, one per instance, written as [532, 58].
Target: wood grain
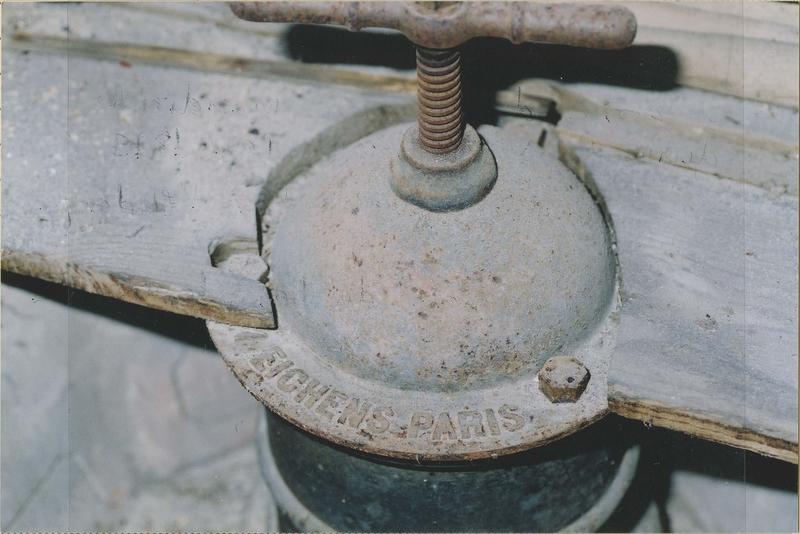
[211, 62]
[164, 282]
[749, 50]
[123, 181]
[708, 330]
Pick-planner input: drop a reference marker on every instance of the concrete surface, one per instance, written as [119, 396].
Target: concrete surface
[713, 488]
[117, 418]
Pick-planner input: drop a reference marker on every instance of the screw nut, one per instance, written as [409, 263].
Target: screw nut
[563, 379]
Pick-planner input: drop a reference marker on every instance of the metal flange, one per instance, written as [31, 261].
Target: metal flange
[413, 334]
[443, 182]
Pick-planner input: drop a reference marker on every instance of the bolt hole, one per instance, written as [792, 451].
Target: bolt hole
[542, 138]
[570, 379]
[222, 250]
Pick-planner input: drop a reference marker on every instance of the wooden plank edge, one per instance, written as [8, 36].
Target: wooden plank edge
[653, 413]
[695, 72]
[258, 313]
[208, 62]
[232, 22]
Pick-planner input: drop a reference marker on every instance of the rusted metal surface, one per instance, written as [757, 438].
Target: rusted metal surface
[417, 335]
[443, 182]
[465, 174]
[440, 119]
[449, 24]
[306, 521]
[563, 379]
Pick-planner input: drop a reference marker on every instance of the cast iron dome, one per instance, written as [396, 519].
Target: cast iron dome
[420, 300]
[412, 333]
[420, 282]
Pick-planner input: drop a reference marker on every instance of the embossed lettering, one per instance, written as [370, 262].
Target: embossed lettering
[331, 402]
[419, 421]
[262, 362]
[274, 354]
[491, 422]
[379, 422]
[277, 369]
[354, 413]
[269, 366]
[284, 383]
[512, 421]
[271, 357]
[311, 393]
[470, 421]
[443, 427]
[259, 364]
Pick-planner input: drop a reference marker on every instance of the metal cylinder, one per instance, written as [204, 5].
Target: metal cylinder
[441, 123]
[573, 484]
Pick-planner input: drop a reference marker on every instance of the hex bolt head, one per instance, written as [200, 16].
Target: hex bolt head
[563, 379]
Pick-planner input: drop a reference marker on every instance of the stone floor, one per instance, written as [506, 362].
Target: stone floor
[118, 418]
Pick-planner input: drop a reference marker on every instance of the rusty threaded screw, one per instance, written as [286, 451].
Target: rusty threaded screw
[441, 123]
[437, 28]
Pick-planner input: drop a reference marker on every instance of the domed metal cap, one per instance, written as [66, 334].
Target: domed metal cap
[418, 334]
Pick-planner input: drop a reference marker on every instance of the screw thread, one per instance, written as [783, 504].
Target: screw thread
[441, 123]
